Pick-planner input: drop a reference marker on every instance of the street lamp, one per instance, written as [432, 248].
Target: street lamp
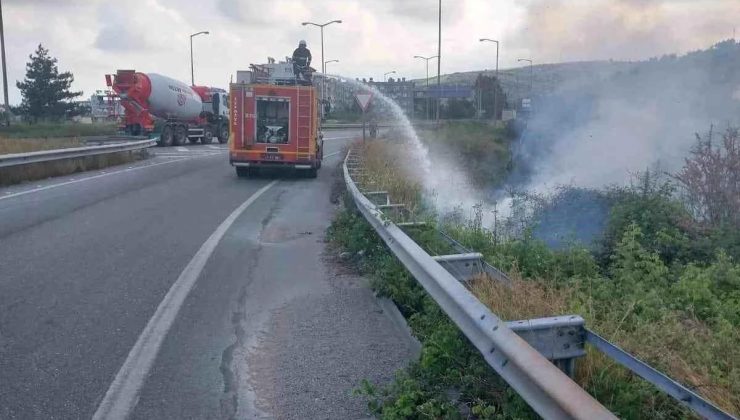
[5, 73]
[321, 26]
[192, 72]
[530, 73]
[439, 59]
[426, 59]
[495, 91]
[330, 61]
[386, 74]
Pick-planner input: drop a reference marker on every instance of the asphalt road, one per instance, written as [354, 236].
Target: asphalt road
[172, 289]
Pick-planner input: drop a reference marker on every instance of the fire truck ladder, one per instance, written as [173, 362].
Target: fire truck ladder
[303, 148]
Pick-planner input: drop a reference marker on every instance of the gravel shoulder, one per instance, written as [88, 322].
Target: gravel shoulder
[324, 333]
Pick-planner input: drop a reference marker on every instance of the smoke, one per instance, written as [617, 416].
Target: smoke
[592, 134]
[622, 29]
[597, 134]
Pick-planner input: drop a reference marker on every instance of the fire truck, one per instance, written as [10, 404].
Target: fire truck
[274, 121]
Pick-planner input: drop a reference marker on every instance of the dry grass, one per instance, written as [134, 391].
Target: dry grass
[670, 344]
[34, 171]
[388, 169]
[523, 300]
[8, 146]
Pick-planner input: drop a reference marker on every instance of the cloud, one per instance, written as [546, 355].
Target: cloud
[275, 12]
[92, 37]
[136, 29]
[623, 29]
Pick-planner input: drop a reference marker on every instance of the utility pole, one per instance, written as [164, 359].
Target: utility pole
[5, 72]
[495, 91]
[192, 72]
[323, 64]
[426, 94]
[439, 59]
[530, 74]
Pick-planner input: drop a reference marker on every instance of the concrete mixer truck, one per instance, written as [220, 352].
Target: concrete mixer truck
[179, 112]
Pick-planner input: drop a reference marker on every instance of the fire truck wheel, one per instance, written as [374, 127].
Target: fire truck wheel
[242, 172]
[207, 136]
[166, 138]
[180, 135]
[223, 134]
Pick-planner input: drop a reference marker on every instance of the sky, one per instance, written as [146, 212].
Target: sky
[91, 38]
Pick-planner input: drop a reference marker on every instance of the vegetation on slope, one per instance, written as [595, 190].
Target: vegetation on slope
[477, 148]
[664, 284]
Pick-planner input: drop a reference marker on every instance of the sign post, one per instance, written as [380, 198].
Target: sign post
[363, 99]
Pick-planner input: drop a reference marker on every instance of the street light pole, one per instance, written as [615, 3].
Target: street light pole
[323, 64]
[426, 94]
[386, 74]
[530, 73]
[5, 73]
[325, 79]
[321, 26]
[192, 71]
[329, 61]
[439, 58]
[495, 91]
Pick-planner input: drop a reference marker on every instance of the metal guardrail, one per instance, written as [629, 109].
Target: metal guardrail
[549, 391]
[560, 339]
[92, 140]
[679, 392]
[17, 159]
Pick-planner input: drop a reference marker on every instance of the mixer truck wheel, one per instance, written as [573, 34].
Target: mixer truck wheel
[207, 136]
[165, 139]
[223, 134]
[180, 135]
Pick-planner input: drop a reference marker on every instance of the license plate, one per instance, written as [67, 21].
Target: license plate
[272, 156]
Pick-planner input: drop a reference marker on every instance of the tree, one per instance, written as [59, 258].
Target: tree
[711, 179]
[490, 91]
[45, 91]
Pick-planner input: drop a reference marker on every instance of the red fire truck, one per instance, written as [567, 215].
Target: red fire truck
[274, 121]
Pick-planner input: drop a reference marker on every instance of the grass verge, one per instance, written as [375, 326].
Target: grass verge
[54, 130]
[8, 146]
[41, 170]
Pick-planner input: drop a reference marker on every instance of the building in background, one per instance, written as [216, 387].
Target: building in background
[399, 90]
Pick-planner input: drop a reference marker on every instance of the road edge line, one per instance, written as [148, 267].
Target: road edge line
[122, 395]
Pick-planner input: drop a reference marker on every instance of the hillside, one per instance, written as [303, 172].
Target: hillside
[545, 77]
[548, 78]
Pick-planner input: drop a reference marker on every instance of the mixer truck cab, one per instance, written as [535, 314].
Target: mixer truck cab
[274, 121]
[155, 104]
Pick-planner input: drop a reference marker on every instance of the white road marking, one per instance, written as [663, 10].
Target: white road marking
[210, 146]
[123, 393]
[61, 184]
[182, 149]
[331, 154]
